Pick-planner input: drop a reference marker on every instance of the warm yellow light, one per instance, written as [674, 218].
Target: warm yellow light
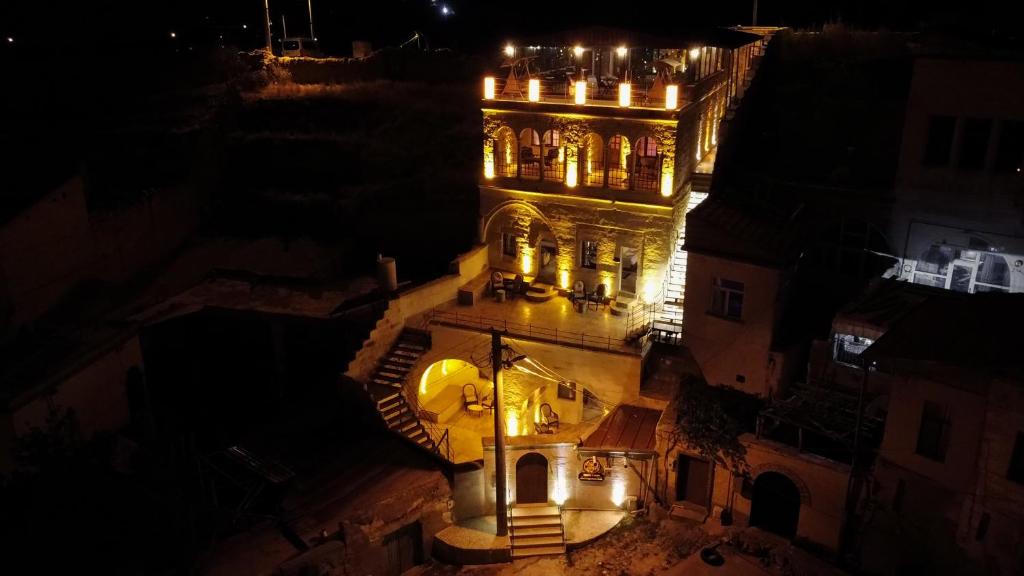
[570, 174]
[561, 491]
[489, 159]
[625, 91]
[666, 184]
[510, 50]
[527, 262]
[694, 53]
[650, 291]
[618, 492]
[511, 422]
[534, 90]
[563, 279]
[578, 51]
[671, 96]
[581, 92]
[489, 88]
[425, 378]
[621, 51]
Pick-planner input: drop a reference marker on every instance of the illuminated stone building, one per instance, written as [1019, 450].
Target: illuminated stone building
[592, 139]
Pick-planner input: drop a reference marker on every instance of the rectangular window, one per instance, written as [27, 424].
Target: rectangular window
[509, 244]
[727, 298]
[940, 140]
[1010, 153]
[588, 254]
[933, 435]
[1016, 470]
[848, 348]
[974, 143]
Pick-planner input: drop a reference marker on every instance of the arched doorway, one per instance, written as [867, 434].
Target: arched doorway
[776, 504]
[532, 479]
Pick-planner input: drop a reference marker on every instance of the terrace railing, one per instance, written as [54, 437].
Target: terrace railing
[564, 92]
[577, 339]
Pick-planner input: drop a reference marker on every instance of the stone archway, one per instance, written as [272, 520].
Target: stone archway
[532, 479]
[520, 239]
[775, 506]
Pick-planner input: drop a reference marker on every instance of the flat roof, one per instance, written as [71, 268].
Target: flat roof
[610, 36]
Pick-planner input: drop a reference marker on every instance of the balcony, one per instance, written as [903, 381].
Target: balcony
[639, 94]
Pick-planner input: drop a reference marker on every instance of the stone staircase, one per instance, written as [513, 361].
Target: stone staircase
[670, 318]
[700, 182]
[540, 292]
[386, 389]
[536, 530]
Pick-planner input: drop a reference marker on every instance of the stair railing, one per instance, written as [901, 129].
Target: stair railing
[438, 434]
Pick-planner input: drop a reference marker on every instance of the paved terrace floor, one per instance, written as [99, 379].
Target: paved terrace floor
[552, 321]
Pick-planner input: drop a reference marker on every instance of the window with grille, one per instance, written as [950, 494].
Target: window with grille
[727, 298]
[509, 244]
[588, 254]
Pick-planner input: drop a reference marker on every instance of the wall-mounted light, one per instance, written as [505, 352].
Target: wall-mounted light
[510, 50]
[581, 92]
[694, 53]
[625, 92]
[489, 88]
[578, 51]
[621, 51]
[671, 96]
[534, 90]
[618, 492]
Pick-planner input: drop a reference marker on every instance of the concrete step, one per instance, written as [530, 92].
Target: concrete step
[384, 382]
[533, 510]
[531, 531]
[403, 353]
[391, 375]
[395, 413]
[536, 541]
[536, 522]
[405, 345]
[543, 551]
[401, 360]
[398, 368]
[407, 427]
[387, 398]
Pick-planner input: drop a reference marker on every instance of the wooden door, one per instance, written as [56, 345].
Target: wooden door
[532, 479]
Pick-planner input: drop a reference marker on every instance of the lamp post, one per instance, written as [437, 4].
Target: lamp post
[266, 26]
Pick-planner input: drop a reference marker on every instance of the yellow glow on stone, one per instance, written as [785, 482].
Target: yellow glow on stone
[571, 165]
[625, 92]
[618, 492]
[511, 422]
[527, 261]
[425, 378]
[671, 97]
[563, 279]
[561, 491]
[666, 183]
[581, 92]
[489, 88]
[650, 291]
[489, 158]
[533, 92]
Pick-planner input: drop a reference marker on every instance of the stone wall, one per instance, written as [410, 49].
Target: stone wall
[568, 221]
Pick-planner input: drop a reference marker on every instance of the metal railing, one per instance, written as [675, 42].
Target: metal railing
[531, 331]
[438, 434]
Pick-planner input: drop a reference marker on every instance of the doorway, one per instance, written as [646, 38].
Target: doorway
[628, 266]
[692, 480]
[776, 504]
[547, 267]
[532, 479]
[404, 548]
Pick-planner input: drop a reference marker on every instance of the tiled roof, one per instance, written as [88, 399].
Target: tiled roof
[628, 428]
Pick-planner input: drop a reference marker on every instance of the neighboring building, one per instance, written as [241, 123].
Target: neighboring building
[958, 218]
[949, 479]
[742, 257]
[591, 140]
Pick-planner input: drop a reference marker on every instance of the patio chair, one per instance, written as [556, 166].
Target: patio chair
[519, 285]
[548, 416]
[469, 396]
[579, 291]
[496, 282]
[596, 297]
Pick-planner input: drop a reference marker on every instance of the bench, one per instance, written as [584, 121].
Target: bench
[442, 407]
[473, 290]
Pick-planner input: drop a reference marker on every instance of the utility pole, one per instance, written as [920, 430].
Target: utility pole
[309, 4]
[753, 21]
[266, 26]
[500, 478]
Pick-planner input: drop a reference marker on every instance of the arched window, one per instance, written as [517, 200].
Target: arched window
[554, 156]
[592, 160]
[529, 154]
[646, 172]
[505, 152]
[618, 159]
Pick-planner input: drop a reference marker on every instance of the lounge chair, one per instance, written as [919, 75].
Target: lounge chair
[548, 416]
[469, 396]
[579, 292]
[496, 282]
[596, 297]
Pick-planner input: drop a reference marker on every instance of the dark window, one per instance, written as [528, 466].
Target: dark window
[567, 390]
[940, 140]
[993, 271]
[588, 254]
[1010, 153]
[848, 348]
[974, 143]
[933, 435]
[1016, 471]
[897, 497]
[727, 299]
[509, 244]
